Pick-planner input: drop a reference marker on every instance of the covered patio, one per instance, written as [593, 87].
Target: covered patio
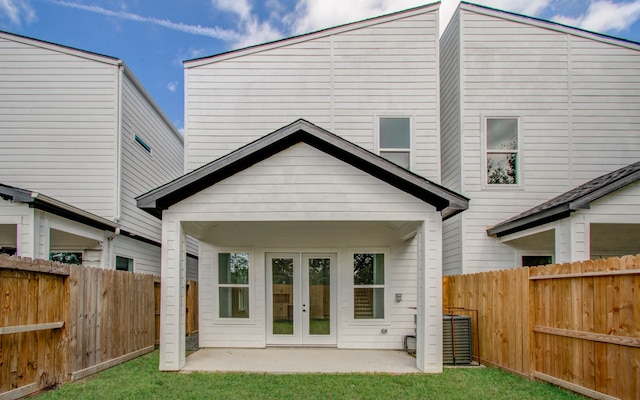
[294, 360]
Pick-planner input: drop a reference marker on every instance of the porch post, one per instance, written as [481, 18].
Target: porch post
[429, 312]
[172, 295]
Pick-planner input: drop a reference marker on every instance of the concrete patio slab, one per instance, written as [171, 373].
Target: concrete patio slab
[294, 360]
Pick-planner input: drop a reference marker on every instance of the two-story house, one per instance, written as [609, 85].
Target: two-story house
[334, 230]
[81, 138]
[320, 219]
[540, 128]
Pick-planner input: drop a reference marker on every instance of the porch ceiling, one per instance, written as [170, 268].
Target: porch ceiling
[311, 234]
[617, 238]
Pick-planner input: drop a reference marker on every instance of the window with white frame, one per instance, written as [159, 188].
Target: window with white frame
[368, 286]
[502, 151]
[395, 140]
[233, 285]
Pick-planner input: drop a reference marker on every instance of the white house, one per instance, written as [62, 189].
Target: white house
[309, 235]
[531, 109]
[80, 139]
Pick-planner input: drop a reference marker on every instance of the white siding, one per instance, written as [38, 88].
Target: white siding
[57, 124]
[301, 183]
[20, 217]
[141, 170]
[337, 237]
[341, 81]
[577, 99]
[146, 257]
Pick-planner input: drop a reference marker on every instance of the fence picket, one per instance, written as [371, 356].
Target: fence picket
[548, 317]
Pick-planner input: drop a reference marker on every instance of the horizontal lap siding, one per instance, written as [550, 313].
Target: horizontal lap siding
[141, 170]
[301, 183]
[58, 117]
[389, 69]
[572, 130]
[605, 82]
[450, 132]
[146, 256]
[339, 82]
[234, 102]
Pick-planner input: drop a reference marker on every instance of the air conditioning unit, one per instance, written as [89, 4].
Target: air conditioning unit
[456, 335]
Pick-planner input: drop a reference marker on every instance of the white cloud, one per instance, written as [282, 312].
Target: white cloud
[239, 7]
[17, 11]
[605, 16]
[214, 32]
[172, 86]
[527, 7]
[312, 15]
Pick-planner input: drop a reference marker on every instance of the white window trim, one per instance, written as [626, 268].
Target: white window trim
[133, 261]
[376, 136]
[216, 296]
[519, 151]
[387, 304]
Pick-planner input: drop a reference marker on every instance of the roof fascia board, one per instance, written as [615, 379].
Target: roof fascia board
[61, 48]
[438, 196]
[554, 26]
[65, 210]
[129, 73]
[312, 36]
[553, 214]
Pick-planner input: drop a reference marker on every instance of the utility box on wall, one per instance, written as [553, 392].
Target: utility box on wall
[456, 339]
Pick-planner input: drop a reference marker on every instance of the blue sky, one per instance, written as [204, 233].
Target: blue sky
[153, 37]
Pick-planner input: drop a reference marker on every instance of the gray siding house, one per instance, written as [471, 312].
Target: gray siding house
[530, 110]
[79, 130]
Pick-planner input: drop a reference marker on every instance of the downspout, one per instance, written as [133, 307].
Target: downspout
[110, 254]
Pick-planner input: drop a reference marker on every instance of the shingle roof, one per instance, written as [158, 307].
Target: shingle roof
[563, 205]
[301, 131]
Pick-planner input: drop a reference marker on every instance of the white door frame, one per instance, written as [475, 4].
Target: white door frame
[301, 309]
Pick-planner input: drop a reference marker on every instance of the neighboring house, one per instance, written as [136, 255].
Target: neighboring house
[80, 139]
[532, 109]
[308, 236]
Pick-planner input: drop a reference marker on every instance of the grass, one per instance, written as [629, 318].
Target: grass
[140, 379]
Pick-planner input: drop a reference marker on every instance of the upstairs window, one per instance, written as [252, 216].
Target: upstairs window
[124, 264]
[395, 140]
[502, 151]
[142, 143]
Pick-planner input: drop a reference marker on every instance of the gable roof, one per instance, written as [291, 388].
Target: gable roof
[312, 35]
[546, 24]
[41, 202]
[563, 205]
[302, 131]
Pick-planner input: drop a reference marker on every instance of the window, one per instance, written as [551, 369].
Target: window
[368, 286]
[66, 257]
[502, 151]
[395, 140]
[233, 285]
[534, 261]
[124, 264]
[143, 144]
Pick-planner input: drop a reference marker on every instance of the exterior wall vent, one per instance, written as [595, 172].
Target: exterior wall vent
[456, 337]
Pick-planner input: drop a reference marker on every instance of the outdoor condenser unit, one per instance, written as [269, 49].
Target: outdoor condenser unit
[456, 335]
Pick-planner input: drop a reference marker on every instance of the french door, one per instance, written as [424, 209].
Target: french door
[301, 298]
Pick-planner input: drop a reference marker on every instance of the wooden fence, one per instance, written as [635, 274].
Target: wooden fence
[575, 325]
[64, 322]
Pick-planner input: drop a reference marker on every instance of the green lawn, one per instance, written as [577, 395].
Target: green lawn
[140, 379]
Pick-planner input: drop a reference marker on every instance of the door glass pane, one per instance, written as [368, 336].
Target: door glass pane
[319, 296]
[282, 278]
